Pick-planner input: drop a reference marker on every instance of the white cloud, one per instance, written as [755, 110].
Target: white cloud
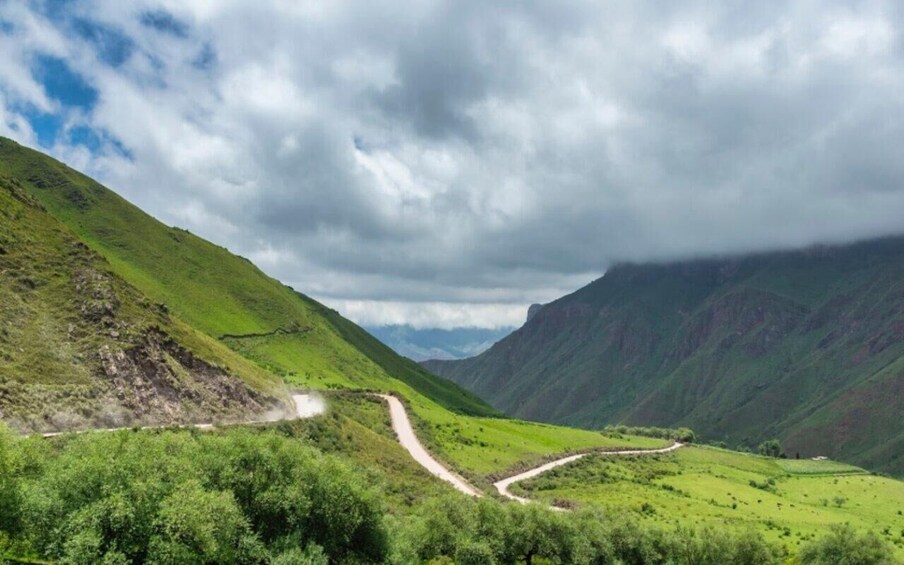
[430, 314]
[456, 161]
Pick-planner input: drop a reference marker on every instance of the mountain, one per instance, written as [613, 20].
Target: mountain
[81, 347]
[806, 346]
[204, 300]
[436, 343]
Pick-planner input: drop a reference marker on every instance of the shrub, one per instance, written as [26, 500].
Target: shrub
[770, 448]
[844, 546]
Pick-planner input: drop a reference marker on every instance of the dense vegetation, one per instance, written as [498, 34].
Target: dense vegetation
[806, 346]
[178, 497]
[268, 496]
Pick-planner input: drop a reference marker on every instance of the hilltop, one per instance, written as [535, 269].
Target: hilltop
[806, 346]
[222, 296]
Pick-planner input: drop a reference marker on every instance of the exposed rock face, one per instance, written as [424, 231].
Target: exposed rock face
[740, 349]
[161, 382]
[532, 311]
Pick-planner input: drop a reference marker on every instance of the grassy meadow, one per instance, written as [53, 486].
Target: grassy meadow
[788, 501]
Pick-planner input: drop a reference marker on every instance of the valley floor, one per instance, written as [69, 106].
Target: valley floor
[789, 501]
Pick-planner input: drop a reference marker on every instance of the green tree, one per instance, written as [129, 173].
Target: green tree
[535, 531]
[844, 546]
[770, 448]
[9, 485]
[474, 553]
[194, 526]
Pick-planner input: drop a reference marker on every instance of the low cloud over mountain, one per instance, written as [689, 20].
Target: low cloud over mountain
[402, 159]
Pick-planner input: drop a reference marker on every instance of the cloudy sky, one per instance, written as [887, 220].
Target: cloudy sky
[448, 163]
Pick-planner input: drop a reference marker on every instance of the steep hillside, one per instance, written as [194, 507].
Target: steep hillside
[80, 347]
[807, 346]
[222, 295]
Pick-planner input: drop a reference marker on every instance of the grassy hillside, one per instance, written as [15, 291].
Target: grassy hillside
[281, 331]
[789, 501]
[220, 294]
[807, 346]
[80, 347]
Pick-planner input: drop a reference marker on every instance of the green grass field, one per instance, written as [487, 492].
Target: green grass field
[789, 501]
[486, 448]
[823, 467]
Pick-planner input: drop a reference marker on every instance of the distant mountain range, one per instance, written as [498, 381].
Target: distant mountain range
[806, 346]
[435, 343]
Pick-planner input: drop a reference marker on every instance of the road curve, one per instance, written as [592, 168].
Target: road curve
[503, 485]
[408, 439]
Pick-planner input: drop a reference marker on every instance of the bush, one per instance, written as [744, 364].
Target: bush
[844, 546]
[684, 435]
[770, 448]
[176, 497]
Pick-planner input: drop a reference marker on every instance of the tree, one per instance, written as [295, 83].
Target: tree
[770, 448]
[197, 526]
[844, 546]
[9, 485]
[535, 531]
[474, 553]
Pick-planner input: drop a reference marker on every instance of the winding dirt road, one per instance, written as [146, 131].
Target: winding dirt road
[408, 439]
[503, 485]
[311, 405]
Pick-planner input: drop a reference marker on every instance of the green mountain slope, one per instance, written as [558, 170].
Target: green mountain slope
[80, 347]
[807, 346]
[222, 295]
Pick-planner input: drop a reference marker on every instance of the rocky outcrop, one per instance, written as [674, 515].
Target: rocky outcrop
[159, 381]
[532, 311]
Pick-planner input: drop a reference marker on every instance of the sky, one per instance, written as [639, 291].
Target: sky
[446, 164]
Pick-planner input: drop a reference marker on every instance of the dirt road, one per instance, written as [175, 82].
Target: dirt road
[503, 485]
[306, 406]
[408, 440]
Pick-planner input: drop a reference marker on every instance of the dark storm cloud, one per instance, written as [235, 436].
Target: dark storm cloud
[415, 159]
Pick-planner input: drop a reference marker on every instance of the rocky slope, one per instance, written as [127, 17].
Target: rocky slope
[806, 346]
[80, 347]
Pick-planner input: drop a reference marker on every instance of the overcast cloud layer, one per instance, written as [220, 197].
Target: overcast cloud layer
[447, 163]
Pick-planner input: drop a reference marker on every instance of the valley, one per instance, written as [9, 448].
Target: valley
[191, 359]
